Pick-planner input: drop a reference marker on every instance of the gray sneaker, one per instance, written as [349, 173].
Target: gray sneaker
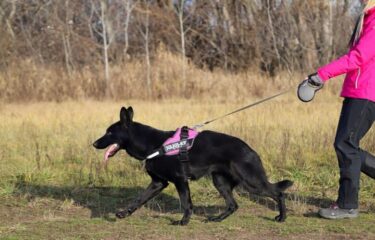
[334, 212]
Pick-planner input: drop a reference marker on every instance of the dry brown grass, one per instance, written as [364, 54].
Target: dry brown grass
[26, 80]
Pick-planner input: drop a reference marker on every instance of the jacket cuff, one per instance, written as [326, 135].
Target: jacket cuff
[323, 75]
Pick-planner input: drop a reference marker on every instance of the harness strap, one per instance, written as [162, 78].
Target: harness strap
[183, 155]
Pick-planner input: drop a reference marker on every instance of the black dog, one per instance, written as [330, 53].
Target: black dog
[229, 161]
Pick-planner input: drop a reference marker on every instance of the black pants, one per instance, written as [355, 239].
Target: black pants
[356, 118]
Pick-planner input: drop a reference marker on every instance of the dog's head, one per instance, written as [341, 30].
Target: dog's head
[117, 135]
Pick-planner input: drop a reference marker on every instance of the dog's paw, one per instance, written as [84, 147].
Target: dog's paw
[280, 218]
[122, 214]
[180, 222]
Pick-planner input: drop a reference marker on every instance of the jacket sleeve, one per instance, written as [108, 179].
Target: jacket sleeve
[359, 55]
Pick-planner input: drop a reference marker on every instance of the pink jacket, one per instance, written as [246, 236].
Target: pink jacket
[358, 64]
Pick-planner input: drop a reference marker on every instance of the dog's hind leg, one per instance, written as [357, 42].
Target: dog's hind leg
[271, 192]
[224, 184]
[254, 180]
[155, 187]
[185, 199]
[280, 199]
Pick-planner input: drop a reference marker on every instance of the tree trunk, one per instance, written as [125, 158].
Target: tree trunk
[129, 8]
[183, 49]
[147, 48]
[307, 41]
[103, 8]
[327, 31]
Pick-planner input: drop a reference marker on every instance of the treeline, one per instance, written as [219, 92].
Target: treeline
[229, 35]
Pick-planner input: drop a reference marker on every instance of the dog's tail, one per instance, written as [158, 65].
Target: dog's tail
[283, 185]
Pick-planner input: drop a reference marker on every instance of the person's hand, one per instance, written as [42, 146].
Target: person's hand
[315, 80]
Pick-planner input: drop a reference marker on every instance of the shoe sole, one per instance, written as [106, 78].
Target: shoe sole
[344, 216]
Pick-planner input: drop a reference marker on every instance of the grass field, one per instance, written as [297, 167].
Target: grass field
[52, 185]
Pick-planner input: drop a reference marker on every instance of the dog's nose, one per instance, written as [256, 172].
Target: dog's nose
[95, 144]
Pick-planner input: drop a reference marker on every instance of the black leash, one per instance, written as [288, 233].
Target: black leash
[241, 109]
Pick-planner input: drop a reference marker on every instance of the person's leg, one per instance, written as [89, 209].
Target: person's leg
[367, 159]
[355, 120]
[368, 164]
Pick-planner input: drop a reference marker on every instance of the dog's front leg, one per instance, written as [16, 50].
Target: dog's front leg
[152, 190]
[185, 199]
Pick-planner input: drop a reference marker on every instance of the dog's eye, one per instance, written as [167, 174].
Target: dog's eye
[109, 133]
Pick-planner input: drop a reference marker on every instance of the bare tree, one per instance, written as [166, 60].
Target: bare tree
[272, 31]
[104, 29]
[144, 29]
[66, 35]
[180, 13]
[129, 7]
[106, 42]
[7, 16]
[8, 36]
[327, 31]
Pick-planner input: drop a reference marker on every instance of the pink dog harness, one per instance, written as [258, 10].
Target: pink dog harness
[177, 143]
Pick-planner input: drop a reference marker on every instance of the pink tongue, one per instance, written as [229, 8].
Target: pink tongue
[110, 152]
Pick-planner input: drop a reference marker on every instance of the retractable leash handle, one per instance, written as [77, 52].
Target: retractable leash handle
[306, 91]
[308, 87]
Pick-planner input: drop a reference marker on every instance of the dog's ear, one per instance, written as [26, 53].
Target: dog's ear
[124, 117]
[130, 113]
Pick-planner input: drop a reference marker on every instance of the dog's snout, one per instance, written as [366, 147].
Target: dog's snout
[100, 143]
